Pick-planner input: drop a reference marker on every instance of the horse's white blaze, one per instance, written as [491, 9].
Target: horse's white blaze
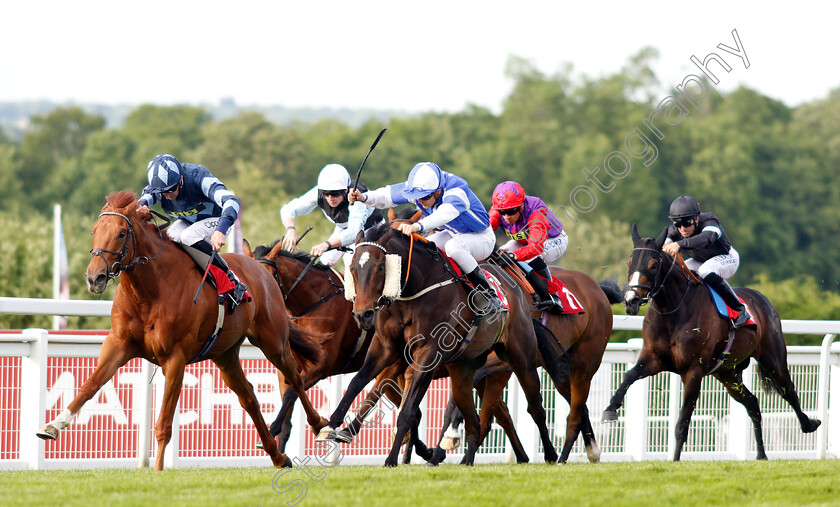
[364, 258]
[634, 282]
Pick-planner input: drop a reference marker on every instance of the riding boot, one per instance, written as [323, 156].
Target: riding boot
[723, 288]
[486, 303]
[548, 302]
[239, 288]
[539, 278]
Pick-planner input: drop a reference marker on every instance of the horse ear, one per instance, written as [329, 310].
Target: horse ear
[246, 248]
[660, 240]
[392, 215]
[634, 233]
[360, 237]
[416, 216]
[275, 251]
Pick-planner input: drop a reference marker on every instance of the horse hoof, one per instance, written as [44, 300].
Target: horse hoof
[594, 454]
[812, 426]
[259, 444]
[432, 464]
[48, 432]
[450, 443]
[390, 463]
[323, 423]
[326, 434]
[609, 416]
[287, 463]
[343, 436]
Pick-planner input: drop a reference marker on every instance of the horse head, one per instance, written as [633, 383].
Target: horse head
[644, 276]
[373, 278]
[114, 241]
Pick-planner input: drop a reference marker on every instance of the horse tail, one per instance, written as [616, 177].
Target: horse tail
[611, 289]
[767, 383]
[304, 346]
[556, 359]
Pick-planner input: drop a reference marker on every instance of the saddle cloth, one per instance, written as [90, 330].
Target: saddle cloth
[571, 304]
[728, 313]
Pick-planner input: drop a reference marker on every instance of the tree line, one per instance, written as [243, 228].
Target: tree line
[767, 170]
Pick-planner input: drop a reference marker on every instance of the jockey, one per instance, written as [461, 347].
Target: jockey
[447, 204]
[330, 194]
[536, 236]
[706, 249]
[203, 209]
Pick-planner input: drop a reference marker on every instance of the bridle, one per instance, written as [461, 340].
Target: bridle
[658, 282]
[286, 293]
[117, 268]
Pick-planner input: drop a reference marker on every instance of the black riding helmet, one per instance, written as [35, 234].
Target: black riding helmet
[684, 207]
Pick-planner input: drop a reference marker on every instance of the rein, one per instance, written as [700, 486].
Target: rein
[117, 268]
[322, 299]
[659, 282]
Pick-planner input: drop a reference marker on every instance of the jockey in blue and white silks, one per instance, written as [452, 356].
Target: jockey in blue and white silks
[330, 194]
[448, 205]
[203, 208]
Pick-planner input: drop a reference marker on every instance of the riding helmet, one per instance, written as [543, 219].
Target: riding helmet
[424, 179]
[164, 173]
[684, 206]
[507, 195]
[333, 177]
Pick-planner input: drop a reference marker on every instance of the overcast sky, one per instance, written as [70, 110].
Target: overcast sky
[414, 56]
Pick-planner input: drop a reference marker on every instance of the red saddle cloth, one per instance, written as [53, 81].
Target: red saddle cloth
[223, 283]
[570, 302]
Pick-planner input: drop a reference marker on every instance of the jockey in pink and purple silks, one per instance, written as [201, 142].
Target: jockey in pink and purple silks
[536, 236]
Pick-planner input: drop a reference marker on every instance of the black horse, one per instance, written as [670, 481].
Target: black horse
[684, 333]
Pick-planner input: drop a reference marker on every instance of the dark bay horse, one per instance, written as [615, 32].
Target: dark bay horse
[428, 325]
[317, 303]
[683, 333]
[153, 317]
[584, 337]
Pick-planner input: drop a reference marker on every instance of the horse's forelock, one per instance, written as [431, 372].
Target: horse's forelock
[122, 200]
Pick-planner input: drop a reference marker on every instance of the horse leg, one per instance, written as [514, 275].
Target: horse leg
[490, 393]
[530, 383]
[284, 417]
[645, 367]
[691, 391]
[173, 372]
[449, 437]
[461, 379]
[577, 411]
[113, 355]
[734, 384]
[284, 361]
[411, 402]
[231, 371]
[376, 360]
[593, 452]
[502, 415]
[774, 368]
[387, 384]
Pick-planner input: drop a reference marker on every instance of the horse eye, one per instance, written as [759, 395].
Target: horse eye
[380, 268]
[122, 234]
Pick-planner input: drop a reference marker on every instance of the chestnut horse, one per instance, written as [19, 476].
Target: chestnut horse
[154, 317]
[416, 326]
[584, 337]
[683, 333]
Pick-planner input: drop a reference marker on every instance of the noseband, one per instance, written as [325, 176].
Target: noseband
[116, 269]
[658, 282]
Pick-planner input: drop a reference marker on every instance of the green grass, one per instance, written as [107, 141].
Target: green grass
[648, 483]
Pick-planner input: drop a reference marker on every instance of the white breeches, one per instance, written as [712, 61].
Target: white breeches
[467, 248]
[188, 233]
[724, 265]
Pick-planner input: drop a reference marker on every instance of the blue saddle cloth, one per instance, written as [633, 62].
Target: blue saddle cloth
[723, 311]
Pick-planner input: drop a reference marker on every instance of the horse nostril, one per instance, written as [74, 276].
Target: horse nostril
[367, 315]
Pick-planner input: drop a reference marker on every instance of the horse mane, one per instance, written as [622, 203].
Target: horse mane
[260, 251]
